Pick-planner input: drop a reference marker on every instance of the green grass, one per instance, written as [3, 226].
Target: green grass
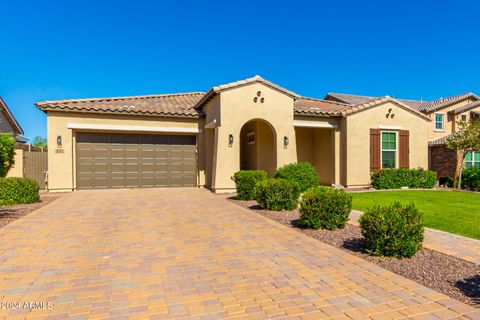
[455, 212]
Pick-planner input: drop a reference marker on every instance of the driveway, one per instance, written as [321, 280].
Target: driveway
[185, 253]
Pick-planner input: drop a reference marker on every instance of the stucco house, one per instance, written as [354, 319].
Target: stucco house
[445, 113]
[203, 138]
[8, 123]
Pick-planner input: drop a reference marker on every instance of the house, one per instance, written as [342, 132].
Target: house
[445, 113]
[203, 138]
[8, 123]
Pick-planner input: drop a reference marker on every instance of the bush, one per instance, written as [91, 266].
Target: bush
[245, 181]
[397, 178]
[7, 152]
[393, 230]
[303, 173]
[277, 194]
[446, 181]
[325, 208]
[471, 179]
[18, 190]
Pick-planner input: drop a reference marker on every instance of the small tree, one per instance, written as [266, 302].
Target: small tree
[467, 139]
[39, 142]
[7, 152]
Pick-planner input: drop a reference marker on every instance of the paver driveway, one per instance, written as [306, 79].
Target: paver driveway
[186, 253]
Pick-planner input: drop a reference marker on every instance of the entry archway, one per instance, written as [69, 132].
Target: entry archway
[258, 149]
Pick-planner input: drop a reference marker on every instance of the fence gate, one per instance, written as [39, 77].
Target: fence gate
[35, 166]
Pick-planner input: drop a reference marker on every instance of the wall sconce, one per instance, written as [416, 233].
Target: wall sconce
[59, 141]
[285, 142]
[230, 140]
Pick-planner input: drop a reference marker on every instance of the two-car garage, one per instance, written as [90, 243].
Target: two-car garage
[125, 160]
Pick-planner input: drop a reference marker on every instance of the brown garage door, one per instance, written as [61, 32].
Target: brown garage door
[111, 160]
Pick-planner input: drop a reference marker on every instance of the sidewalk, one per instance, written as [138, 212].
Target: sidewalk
[447, 243]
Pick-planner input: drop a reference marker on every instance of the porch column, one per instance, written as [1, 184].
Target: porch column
[335, 135]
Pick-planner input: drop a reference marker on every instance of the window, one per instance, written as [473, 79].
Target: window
[389, 150]
[464, 117]
[472, 159]
[439, 121]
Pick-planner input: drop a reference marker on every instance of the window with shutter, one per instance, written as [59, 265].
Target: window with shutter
[374, 149]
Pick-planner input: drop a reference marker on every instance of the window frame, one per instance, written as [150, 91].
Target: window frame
[435, 121]
[389, 150]
[473, 161]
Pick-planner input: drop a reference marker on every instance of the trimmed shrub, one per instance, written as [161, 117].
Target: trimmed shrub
[277, 194]
[471, 179]
[325, 208]
[446, 181]
[7, 152]
[393, 230]
[398, 178]
[303, 173]
[245, 181]
[18, 190]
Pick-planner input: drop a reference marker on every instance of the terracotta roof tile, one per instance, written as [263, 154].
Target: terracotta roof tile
[439, 141]
[175, 105]
[440, 103]
[319, 107]
[466, 107]
[357, 99]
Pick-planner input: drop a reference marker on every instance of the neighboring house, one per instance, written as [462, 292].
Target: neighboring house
[444, 113]
[8, 123]
[202, 139]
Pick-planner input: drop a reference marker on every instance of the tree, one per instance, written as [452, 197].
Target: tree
[39, 142]
[7, 152]
[467, 139]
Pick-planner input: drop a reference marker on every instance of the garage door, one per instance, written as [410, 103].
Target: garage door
[110, 160]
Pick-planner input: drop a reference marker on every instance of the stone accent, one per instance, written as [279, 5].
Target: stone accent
[442, 160]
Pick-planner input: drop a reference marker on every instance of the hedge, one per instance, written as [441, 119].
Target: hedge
[18, 190]
[398, 178]
[325, 208]
[303, 173]
[393, 230]
[245, 181]
[277, 194]
[471, 179]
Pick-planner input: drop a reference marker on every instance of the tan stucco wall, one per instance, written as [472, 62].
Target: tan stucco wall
[237, 108]
[357, 147]
[61, 161]
[17, 169]
[449, 119]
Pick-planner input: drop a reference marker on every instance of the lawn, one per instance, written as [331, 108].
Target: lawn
[455, 212]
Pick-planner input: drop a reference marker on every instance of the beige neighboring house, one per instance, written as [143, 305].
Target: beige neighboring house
[445, 113]
[201, 139]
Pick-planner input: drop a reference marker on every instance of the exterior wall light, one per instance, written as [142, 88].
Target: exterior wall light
[285, 142]
[59, 141]
[230, 140]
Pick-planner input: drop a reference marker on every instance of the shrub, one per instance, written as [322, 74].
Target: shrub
[7, 152]
[393, 230]
[446, 181]
[471, 179]
[325, 208]
[303, 173]
[18, 190]
[245, 181]
[277, 194]
[397, 178]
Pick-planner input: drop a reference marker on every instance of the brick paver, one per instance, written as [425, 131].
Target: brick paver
[464, 248]
[184, 253]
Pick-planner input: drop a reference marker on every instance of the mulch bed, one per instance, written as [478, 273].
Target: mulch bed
[12, 213]
[451, 276]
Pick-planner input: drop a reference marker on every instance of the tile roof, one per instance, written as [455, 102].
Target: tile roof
[9, 115]
[319, 107]
[217, 89]
[357, 99]
[439, 141]
[442, 102]
[376, 102]
[175, 105]
[466, 107]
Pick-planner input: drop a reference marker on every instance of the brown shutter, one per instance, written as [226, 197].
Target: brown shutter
[374, 149]
[404, 149]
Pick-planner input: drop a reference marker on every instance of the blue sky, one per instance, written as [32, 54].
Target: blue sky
[76, 49]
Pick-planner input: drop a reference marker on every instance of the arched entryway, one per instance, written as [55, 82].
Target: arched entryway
[257, 146]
